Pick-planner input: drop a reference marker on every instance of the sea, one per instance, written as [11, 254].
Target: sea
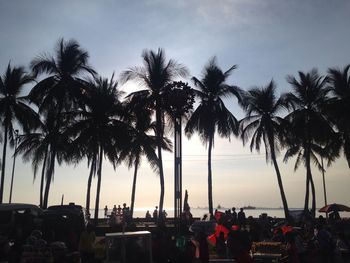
[200, 212]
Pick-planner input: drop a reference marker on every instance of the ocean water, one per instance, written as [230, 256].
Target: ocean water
[199, 212]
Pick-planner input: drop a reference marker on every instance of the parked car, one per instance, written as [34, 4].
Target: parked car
[73, 211]
[24, 217]
[64, 223]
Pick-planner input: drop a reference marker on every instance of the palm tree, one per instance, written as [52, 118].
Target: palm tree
[98, 129]
[211, 115]
[310, 129]
[13, 109]
[57, 151]
[262, 124]
[155, 75]
[32, 146]
[58, 93]
[142, 143]
[339, 105]
[44, 145]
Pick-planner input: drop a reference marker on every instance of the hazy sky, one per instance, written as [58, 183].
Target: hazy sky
[267, 39]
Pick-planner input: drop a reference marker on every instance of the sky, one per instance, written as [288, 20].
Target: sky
[267, 39]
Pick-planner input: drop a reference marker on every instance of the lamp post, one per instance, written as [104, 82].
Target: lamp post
[179, 100]
[13, 166]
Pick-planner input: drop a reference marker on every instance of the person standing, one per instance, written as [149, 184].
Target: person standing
[119, 210]
[234, 216]
[155, 214]
[241, 218]
[148, 216]
[106, 211]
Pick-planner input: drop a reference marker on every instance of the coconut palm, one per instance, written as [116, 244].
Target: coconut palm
[142, 143]
[154, 76]
[310, 130]
[339, 105]
[211, 115]
[13, 109]
[262, 124]
[59, 92]
[45, 145]
[98, 129]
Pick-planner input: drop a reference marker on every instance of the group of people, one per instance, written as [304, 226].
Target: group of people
[232, 217]
[155, 215]
[118, 216]
[310, 241]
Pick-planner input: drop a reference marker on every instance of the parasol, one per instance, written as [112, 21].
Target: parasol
[334, 207]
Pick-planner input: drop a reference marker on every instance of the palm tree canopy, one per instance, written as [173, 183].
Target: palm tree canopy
[142, 142]
[262, 121]
[309, 92]
[308, 100]
[156, 73]
[340, 82]
[212, 114]
[100, 123]
[63, 85]
[70, 61]
[339, 105]
[12, 104]
[309, 126]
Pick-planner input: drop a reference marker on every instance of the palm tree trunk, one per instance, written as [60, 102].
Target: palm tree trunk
[49, 179]
[308, 173]
[3, 164]
[88, 190]
[279, 180]
[313, 193]
[210, 187]
[42, 179]
[307, 193]
[133, 192]
[160, 160]
[99, 173]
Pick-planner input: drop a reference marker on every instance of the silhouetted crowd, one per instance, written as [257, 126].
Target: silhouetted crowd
[227, 234]
[245, 239]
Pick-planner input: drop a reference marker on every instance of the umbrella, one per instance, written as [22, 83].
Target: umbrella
[334, 207]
